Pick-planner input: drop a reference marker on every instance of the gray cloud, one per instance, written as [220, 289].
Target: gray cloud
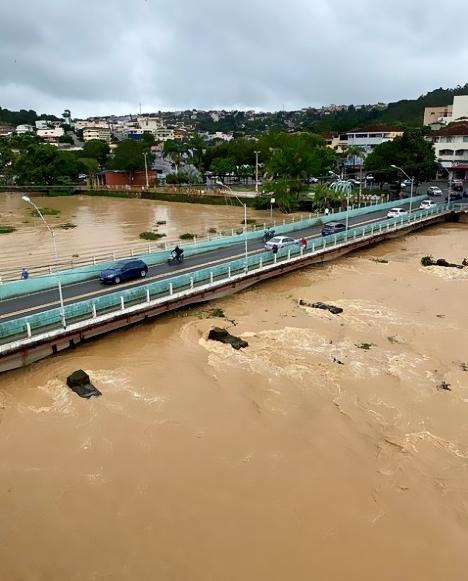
[103, 56]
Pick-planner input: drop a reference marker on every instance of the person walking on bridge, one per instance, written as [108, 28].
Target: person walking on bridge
[327, 211]
[24, 274]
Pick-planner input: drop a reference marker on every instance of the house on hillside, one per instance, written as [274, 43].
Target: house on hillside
[451, 149]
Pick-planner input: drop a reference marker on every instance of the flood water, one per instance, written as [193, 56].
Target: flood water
[325, 450]
[104, 225]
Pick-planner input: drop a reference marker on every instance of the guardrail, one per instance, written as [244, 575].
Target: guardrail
[118, 252]
[168, 289]
[153, 256]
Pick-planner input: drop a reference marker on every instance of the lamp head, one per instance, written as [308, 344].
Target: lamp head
[26, 199]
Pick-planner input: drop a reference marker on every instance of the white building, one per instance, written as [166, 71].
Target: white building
[22, 129]
[102, 133]
[451, 149]
[367, 139]
[163, 134]
[81, 124]
[149, 123]
[42, 124]
[51, 133]
[460, 108]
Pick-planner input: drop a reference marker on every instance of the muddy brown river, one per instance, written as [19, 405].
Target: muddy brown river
[326, 450]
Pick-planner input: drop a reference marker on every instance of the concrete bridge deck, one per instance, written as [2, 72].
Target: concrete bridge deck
[27, 341]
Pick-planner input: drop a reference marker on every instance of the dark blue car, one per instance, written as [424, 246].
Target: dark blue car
[124, 270]
[333, 228]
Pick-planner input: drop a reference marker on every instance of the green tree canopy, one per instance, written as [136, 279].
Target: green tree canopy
[128, 156]
[45, 164]
[96, 149]
[411, 152]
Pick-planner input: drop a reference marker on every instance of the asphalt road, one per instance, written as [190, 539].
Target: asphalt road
[44, 300]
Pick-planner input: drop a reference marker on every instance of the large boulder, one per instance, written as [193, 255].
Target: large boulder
[331, 308]
[80, 383]
[223, 336]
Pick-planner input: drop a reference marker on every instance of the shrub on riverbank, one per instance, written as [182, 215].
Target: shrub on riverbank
[7, 229]
[187, 236]
[46, 212]
[151, 235]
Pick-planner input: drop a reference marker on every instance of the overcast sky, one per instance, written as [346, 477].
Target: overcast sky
[108, 56]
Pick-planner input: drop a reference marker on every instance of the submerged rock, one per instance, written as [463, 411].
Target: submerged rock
[444, 386]
[332, 308]
[223, 336]
[429, 261]
[80, 383]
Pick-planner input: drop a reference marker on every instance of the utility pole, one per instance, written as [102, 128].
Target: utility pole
[146, 169]
[256, 171]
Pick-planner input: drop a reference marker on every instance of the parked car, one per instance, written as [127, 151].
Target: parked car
[369, 178]
[454, 196]
[333, 228]
[124, 270]
[280, 242]
[397, 213]
[434, 191]
[354, 182]
[406, 184]
[312, 180]
[427, 205]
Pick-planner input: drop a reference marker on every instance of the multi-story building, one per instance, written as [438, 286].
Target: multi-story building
[102, 133]
[451, 149]
[82, 124]
[51, 133]
[22, 129]
[163, 134]
[42, 124]
[367, 139]
[433, 115]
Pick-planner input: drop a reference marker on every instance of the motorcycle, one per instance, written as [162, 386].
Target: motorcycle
[174, 259]
[268, 235]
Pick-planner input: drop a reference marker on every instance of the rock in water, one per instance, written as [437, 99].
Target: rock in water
[221, 335]
[334, 310]
[80, 383]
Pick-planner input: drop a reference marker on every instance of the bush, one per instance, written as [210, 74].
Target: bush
[187, 236]
[212, 230]
[46, 212]
[249, 221]
[7, 229]
[67, 226]
[261, 202]
[427, 261]
[161, 222]
[151, 236]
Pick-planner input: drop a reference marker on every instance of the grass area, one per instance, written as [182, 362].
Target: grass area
[187, 236]
[151, 235]
[46, 212]
[7, 229]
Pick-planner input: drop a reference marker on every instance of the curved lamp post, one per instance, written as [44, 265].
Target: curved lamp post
[28, 200]
[342, 186]
[412, 184]
[220, 183]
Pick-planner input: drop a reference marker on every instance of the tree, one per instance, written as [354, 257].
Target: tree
[129, 156]
[411, 152]
[90, 168]
[45, 164]
[293, 158]
[222, 166]
[7, 158]
[176, 150]
[96, 149]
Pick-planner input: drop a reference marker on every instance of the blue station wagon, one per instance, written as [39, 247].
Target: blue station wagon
[124, 270]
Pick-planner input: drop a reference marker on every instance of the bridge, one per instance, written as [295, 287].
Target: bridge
[35, 323]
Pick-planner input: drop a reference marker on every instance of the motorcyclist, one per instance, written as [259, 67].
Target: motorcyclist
[177, 253]
[268, 234]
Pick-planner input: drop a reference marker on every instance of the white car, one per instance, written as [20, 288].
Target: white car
[427, 205]
[280, 242]
[434, 191]
[397, 213]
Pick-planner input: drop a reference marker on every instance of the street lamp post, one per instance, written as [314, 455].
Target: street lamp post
[146, 169]
[412, 185]
[219, 183]
[28, 200]
[256, 171]
[335, 175]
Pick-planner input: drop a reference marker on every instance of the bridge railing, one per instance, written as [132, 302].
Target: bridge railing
[174, 287]
[153, 255]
